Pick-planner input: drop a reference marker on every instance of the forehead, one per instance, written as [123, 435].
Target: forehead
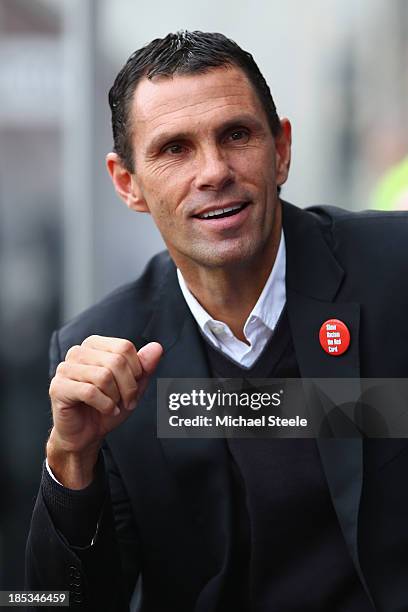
[181, 101]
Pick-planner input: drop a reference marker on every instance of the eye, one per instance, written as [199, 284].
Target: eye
[173, 149]
[240, 136]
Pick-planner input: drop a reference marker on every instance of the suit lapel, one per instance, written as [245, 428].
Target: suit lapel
[313, 280]
[184, 357]
[306, 315]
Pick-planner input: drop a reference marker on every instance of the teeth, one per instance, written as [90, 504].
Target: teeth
[220, 211]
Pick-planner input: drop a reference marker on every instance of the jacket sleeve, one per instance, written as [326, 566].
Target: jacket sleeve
[84, 542]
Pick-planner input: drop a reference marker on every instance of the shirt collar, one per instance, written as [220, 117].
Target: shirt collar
[269, 305]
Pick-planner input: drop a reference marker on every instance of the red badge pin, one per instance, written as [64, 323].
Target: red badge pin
[334, 337]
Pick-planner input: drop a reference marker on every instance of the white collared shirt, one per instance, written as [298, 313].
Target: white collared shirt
[260, 323]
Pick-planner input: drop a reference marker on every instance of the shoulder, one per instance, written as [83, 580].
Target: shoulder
[345, 230]
[125, 312]
[370, 243]
[341, 222]
[369, 246]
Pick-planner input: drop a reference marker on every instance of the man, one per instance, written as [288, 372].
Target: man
[208, 524]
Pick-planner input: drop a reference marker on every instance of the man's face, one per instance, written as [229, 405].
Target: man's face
[202, 145]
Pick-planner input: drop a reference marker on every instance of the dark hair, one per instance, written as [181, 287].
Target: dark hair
[180, 53]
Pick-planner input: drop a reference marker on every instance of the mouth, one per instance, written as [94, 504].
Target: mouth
[221, 213]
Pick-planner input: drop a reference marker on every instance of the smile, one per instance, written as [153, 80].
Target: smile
[220, 213]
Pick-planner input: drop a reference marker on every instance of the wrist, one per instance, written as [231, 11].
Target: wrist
[74, 469]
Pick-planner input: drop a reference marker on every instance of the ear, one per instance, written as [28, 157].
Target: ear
[283, 143]
[125, 183]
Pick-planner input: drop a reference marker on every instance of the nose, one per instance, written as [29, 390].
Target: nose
[213, 169]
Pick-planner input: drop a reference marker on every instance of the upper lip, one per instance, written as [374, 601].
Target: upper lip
[219, 207]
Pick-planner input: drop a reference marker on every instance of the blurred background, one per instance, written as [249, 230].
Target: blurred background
[337, 69]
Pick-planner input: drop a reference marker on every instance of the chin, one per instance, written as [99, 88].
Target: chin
[225, 255]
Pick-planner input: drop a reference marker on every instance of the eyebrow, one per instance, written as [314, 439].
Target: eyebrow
[173, 136]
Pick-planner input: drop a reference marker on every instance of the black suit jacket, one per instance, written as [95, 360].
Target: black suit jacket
[175, 501]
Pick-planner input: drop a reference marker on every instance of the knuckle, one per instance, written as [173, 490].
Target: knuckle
[61, 369]
[117, 361]
[125, 347]
[104, 377]
[72, 352]
[89, 393]
[52, 389]
[89, 340]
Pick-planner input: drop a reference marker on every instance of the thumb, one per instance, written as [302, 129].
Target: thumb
[149, 356]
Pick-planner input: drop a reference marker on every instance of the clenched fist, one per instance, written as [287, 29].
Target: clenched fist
[92, 392]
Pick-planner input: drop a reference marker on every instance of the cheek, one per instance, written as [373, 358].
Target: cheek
[163, 215]
[169, 186]
[165, 199]
[256, 164]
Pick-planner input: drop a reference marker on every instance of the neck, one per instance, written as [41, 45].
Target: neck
[229, 293]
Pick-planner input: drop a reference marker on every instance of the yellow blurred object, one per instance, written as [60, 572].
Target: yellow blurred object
[391, 192]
